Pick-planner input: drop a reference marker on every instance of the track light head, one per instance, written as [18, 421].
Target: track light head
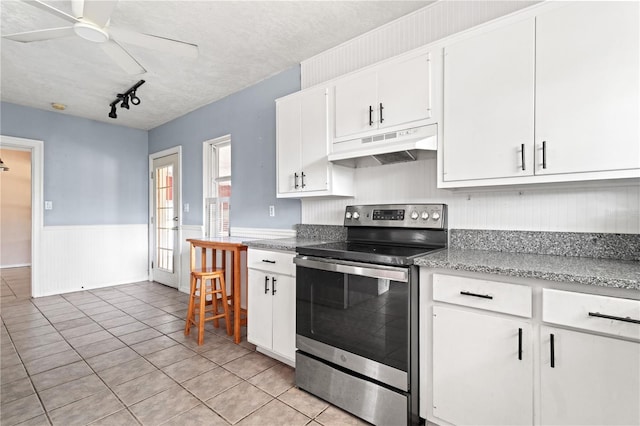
[125, 102]
[113, 114]
[134, 99]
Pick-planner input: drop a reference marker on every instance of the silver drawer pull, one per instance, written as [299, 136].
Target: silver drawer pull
[483, 296]
[611, 317]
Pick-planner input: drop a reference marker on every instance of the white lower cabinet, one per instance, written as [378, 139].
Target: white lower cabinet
[482, 368]
[594, 380]
[271, 302]
[525, 351]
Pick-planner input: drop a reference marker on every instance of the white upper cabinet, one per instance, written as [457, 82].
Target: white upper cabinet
[587, 86]
[356, 100]
[488, 108]
[302, 144]
[386, 96]
[553, 97]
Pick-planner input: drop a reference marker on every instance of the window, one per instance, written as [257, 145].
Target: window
[218, 186]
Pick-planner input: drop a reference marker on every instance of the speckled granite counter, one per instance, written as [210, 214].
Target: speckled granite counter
[582, 270]
[287, 244]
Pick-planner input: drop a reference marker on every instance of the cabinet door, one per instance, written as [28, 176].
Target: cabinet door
[314, 141]
[595, 380]
[489, 104]
[478, 377]
[284, 316]
[404, 92]
[288, 121]
[587, 87]
[259, 301]
[353, 97]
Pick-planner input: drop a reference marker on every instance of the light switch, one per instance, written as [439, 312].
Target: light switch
[185, 208]
[48, 205]
[272, 211]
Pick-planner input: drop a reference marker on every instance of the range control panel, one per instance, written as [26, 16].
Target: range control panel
[433, 216]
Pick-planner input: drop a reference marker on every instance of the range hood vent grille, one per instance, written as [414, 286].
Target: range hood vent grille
[386, 148]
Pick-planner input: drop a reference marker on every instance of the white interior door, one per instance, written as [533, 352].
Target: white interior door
[165, 220]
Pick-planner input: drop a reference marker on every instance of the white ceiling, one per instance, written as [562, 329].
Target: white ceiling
[240, 43]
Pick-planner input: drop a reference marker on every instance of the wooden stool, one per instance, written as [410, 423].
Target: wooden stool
[201, 292]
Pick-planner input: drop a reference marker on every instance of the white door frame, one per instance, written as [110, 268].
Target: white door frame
[177, 264]
[37, 182]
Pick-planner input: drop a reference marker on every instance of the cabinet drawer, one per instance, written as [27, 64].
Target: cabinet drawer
[592, 312]
[490, 295]
[271, 261]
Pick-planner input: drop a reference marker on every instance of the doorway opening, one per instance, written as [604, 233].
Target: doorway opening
[21, 218]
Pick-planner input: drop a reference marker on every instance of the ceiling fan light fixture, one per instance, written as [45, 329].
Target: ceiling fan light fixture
[91, 32]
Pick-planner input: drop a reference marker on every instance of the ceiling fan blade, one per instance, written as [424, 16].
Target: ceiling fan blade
[98, 11]
[122, 58]
[41, 35]
[52, 10]
[161, 44]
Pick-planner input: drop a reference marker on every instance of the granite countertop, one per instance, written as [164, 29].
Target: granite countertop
[582, 270]
[287, 244]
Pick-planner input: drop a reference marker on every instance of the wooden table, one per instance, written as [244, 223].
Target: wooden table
[226, 245]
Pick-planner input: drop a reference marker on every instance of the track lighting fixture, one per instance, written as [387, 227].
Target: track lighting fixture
[134, 99]
[113, 114]
[124, 98]
[125, 102]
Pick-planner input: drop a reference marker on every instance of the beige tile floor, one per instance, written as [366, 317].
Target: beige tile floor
[119, 356]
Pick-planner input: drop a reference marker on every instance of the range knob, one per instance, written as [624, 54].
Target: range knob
[348, 215]
[356, 215]
[424, 215]
[435, 215]
[414, 215]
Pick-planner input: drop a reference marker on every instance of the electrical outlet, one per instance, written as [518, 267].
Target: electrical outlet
[48, 205]
[185, 208]
[272, 211]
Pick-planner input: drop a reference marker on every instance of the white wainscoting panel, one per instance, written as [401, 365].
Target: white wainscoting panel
[76, 258]
[417, 29]
[611, 207]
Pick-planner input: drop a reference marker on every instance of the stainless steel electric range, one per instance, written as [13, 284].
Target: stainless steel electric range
[357, 311]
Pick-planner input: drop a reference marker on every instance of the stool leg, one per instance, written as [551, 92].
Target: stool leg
[190, 313]
[225, 304]
[203, 297]
[214, 302]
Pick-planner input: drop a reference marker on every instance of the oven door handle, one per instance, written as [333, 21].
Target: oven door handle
[354, 268]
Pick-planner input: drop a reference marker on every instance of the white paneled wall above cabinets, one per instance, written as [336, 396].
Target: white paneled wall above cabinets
[611, 207]
[551, 95]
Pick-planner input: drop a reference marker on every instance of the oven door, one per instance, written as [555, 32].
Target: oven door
[356, 316]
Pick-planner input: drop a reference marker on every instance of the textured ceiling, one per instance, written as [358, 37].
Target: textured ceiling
[240, 43]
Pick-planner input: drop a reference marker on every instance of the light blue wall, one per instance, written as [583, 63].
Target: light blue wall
[95, 173]
[250, 117]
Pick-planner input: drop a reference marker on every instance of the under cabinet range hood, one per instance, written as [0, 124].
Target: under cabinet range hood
[387, 148]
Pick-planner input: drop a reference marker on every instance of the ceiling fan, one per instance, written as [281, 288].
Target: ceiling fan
[91, 22]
